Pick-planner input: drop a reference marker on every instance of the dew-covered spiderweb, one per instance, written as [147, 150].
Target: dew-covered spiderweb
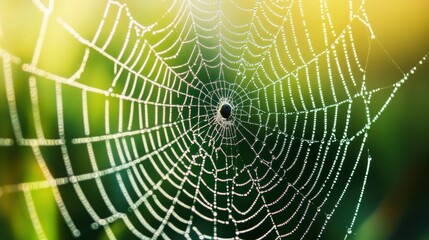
[189, 119]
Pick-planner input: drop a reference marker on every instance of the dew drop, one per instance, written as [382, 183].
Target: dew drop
[94, 226]
[76, 233]
[73, 179]
[102, 222]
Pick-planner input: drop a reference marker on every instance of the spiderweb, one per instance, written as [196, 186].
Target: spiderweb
[129, 141]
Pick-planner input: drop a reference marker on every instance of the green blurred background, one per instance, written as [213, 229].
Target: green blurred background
[396, 200]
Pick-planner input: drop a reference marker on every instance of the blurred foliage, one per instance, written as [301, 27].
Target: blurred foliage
[395, 204]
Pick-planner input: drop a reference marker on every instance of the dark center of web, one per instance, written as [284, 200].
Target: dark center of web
[225, 110]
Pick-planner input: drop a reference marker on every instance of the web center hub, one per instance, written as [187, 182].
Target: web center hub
[225, 110]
